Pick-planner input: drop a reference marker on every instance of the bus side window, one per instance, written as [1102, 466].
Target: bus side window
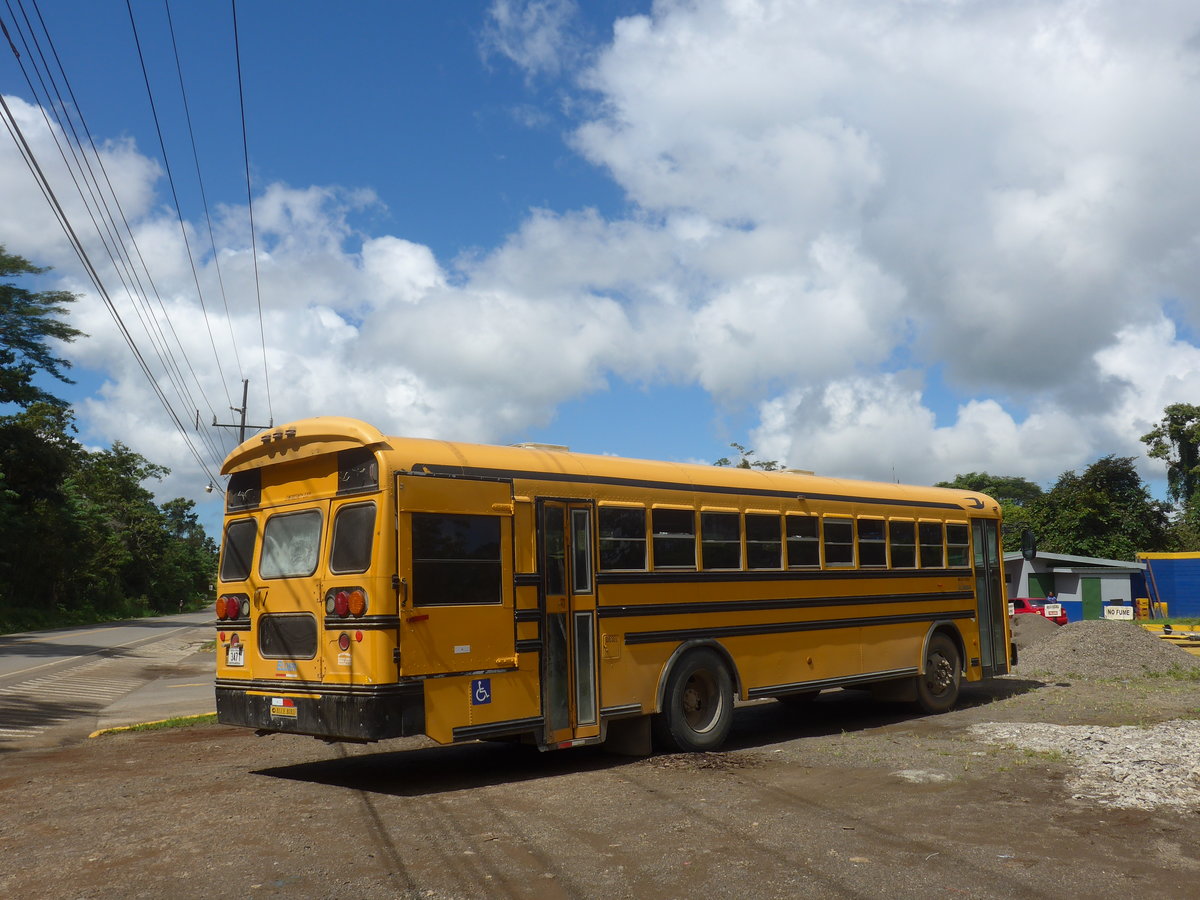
[456, 559]
[237, 550]
[764, 548]
[622, 535]
[803, 547]
[957, 549]
[903, 539]
[674, 538]
[720, 540]
[839, 541]
[353, 530]
[933, 556]
[872, 543]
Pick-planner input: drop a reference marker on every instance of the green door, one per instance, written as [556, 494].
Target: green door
[1092, 607]
[1041, 584]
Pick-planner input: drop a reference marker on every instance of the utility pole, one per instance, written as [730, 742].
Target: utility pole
[242, 410]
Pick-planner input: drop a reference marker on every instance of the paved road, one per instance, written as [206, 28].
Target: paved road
[57, 686]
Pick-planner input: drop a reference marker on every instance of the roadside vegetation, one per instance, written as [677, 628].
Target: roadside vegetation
[81, 537]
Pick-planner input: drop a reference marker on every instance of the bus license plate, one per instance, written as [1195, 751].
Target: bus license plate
[235, 655]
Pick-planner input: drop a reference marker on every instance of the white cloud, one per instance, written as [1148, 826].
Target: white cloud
[826, 201]
[537, 35]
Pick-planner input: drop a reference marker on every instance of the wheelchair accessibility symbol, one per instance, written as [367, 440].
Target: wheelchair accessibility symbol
[481, 691]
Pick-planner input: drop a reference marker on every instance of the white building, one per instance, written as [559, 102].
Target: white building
[1084, 584]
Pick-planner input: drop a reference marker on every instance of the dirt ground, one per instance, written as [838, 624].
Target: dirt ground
[843, 798]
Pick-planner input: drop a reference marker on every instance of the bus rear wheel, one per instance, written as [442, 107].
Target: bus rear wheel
[937, 687]
[697, 706]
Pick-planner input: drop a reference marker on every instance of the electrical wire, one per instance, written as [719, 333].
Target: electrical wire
[250, 203]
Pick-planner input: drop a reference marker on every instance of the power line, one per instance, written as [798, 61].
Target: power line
[175, 195]
[237, 52]
[116, 251]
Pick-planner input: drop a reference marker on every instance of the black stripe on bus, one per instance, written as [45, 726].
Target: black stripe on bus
[615, 481]
[496, 729]
[527, 579]
[528, 615]
[532, 645]
[774, 690]
[727, 631]
[689, 576]
[283, 686]
[721, 606]
[621, 712]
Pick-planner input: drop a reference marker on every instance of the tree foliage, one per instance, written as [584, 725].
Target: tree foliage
[1008, 489]
[81, 537]
[746, 462]
[28, 320]
[1176, 441]
[1105, 512]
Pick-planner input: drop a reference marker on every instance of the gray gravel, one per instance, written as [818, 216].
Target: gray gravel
[1123, 766]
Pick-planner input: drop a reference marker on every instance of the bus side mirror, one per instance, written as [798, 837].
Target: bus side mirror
[1028, 544]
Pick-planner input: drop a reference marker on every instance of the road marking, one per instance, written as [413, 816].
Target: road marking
[98, 650]
[29, 708]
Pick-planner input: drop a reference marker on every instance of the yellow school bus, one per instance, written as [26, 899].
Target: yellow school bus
[374, 587]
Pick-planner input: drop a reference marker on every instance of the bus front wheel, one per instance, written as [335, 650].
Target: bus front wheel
[697, 704]
[937, 687]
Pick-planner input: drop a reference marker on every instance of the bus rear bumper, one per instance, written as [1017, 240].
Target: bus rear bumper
[378, 714]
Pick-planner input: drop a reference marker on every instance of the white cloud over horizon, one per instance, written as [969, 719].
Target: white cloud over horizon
[918, 239]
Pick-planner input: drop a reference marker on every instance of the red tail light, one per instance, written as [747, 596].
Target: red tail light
[341, 604]
[343, 642]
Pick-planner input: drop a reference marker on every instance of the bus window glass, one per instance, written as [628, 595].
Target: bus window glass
[581, 551]
[957, 550]
[674, 538]
[720, 540]
[622, 538]
[903, 538]
[839, 542]
[803, 548]
[456, 559]
[353, 530]
[764, 548]
[872, 544]
[554, 549]
[291, 543]
[932, 554]
[238, 550]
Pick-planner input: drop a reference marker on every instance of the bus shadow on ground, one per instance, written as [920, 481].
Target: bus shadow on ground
[436, 770]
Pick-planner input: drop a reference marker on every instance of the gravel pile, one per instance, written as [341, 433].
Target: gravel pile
[1125, 766]
[1029, 629]
[1101, 649]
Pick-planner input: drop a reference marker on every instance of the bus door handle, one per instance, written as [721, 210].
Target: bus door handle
[260, 597]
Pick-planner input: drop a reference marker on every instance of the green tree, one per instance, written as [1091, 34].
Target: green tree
[1105, 512]
[28, 320]
[1008, 489]
[745, 461]
[1176, 441]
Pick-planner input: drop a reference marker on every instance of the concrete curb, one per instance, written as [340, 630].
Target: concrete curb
[181, 719]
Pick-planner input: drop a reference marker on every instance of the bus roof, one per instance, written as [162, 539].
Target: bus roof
[327, 434]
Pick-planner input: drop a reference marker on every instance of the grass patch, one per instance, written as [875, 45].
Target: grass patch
[161, 724]
[1177, 673]
[209, 646]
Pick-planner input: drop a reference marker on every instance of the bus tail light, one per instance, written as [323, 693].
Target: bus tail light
[358, 602]
[341, 604]
[222, 607]
[343, 642]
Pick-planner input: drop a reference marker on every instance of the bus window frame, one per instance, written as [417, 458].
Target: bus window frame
[225, 544]
[848, 521]
[674, 536]
[333, 536]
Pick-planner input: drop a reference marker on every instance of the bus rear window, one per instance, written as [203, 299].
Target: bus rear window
[353, 530]
[291, 543]
[456, 559]
[238, 550]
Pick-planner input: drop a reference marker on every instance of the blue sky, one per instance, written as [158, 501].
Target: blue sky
[874, 241]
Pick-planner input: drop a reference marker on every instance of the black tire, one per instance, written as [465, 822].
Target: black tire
[937, 687]
[697, 704]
